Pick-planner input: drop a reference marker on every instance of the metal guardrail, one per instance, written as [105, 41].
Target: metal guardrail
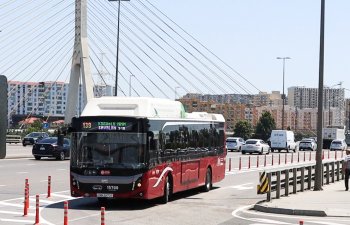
[300, 177]
[13, 139]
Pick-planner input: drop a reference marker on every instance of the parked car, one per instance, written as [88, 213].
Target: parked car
[33, 137]
[307, 144]
[338, 145]
[234, 144]
[255, 146]
[48, 147]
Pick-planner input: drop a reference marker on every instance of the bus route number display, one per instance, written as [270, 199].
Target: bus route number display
[106, 126]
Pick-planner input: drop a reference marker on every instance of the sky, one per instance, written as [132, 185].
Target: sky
[248, 35]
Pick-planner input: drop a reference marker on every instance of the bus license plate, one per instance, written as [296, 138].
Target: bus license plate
[104, 195]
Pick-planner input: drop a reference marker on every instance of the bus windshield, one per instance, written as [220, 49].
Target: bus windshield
[108, 150]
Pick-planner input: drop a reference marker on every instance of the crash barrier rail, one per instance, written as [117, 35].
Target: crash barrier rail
[301, 177]
[13, 139]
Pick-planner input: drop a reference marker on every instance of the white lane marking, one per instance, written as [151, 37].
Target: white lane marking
[41, 200]
[42, 181]
[15, 213]
[2, 185]
[269, 221]
[30, 164]
[326, 223]
[17, 221]
[240, 187]
[11, 204]
[21, 172]
[61, 169]
[62, 196]
[244, 208]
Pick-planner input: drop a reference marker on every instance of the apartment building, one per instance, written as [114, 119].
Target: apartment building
[46, 99]
[231, 112]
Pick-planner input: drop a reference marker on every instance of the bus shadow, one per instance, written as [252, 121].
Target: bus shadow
[123, 204]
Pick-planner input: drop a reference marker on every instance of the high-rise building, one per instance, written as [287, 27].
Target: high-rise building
[47, 99]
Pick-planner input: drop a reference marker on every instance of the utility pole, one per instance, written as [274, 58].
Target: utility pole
[318, 169]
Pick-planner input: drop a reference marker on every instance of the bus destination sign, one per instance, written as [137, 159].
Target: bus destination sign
[107, 126]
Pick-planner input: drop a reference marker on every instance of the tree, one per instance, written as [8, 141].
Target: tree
[243, 129]
[35, 127]
[265, 125]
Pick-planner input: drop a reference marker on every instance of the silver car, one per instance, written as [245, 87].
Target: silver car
[255, 146]
[338, 145]
[234, 144]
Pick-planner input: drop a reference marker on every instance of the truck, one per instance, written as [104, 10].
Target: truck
[332, 133]
[282, 140]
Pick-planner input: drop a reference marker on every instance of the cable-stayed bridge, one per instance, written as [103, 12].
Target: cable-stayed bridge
[38, 38]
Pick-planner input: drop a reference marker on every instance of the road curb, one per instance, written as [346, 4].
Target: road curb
[299, 212]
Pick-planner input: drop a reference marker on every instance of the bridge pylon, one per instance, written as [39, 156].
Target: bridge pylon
[80, 63]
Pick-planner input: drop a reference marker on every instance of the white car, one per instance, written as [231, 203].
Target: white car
[255, 146]
[338, 145]
[307, 144]
[234, 144]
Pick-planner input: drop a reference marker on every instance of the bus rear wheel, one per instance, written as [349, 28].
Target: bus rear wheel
[208, 181]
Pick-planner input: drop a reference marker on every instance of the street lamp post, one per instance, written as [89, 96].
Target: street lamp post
[176, 92]
[318, 167]
[130, 84]
[117, 57]
[283, 96]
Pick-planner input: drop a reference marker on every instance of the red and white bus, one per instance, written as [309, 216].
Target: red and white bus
[144, 148]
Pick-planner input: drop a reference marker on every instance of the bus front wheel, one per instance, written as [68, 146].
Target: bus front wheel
[208, 181]
[167, 191]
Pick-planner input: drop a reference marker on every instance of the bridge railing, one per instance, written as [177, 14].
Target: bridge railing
[297, 178]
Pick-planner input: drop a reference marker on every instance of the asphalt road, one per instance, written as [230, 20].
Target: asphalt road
[227, 203]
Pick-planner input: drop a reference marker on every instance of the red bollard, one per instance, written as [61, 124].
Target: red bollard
[257, 162]
[49, 187]
[249, 162]
[322, 155]
[285, 158]
[304, 156]
[229, 164]
[65, 207]
[37, 210]
[291, 161]
[27, 202]
[335, 152]
[279, 159]
[25, 209]
[298, 157]
[103, 216]
[272, 160]
[265, 161]
[310, 156]
[328, 154]
[301, 222]
[240, 163]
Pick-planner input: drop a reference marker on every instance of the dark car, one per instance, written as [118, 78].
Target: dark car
[32, 138]
[48, 148]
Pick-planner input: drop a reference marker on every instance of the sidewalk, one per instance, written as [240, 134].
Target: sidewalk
[332, 201]
[14, 151]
